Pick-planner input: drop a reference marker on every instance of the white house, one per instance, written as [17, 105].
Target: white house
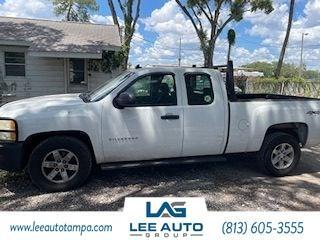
[39, 57]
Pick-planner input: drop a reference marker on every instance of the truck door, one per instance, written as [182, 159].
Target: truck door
[149, 129]
[204, 116]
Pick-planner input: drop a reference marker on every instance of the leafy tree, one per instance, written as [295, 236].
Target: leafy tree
[311, 74]
[288, 70]
[130, 22]
[266, 68]
[201, 12]
[75, 10]
[286, 40]
[231, 41]
[110, 61]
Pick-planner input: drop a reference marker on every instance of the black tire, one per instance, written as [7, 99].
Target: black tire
[81, 154]
[270, 143]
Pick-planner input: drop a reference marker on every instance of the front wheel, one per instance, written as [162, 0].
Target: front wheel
[60, 164]
[280, 154]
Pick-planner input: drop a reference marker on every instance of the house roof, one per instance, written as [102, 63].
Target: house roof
[57, 38]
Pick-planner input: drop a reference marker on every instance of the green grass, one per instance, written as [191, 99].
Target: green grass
[280, 80]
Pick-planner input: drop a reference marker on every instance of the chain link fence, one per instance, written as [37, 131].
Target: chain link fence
[307, 89]
[301, 89]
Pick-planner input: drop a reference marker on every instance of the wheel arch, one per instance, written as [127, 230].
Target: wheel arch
[33, 140]
[296, 129]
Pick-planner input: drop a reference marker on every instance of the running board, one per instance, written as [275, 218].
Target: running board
[153, 163]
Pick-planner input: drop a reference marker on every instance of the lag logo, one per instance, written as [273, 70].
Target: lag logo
[166, 220]
[175, 209]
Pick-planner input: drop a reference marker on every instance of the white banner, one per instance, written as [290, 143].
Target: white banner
[159, 218]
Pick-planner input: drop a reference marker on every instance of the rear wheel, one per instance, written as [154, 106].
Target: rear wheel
[280, 154]
[60, 164]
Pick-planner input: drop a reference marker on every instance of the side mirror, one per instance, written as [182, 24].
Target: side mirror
[124, 100]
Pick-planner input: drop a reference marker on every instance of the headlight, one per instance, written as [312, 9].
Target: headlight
[8, 136]
[8, 130]
[7, 125]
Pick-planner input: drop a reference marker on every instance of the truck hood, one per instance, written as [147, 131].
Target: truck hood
[42, 104]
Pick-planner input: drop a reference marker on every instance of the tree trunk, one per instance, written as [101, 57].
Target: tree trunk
[114, 16]
[286, 40]
[126, 49]
[208, 63]
[129, 26]
[69, 11]
[126, 52]
[208, 54]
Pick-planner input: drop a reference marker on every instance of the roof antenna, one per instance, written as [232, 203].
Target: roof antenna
[138, 66]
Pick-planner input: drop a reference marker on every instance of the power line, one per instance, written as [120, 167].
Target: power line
[180, 49]
[179, 52]
[246, 42]
[166, 47]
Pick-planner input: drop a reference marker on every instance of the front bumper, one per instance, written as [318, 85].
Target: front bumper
[12, 157]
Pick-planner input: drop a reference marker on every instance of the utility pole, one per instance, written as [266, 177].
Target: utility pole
[179, 53]
[301, 54]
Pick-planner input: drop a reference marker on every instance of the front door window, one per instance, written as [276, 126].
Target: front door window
[157, 89]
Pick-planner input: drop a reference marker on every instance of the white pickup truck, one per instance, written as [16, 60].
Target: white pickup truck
[153, 116]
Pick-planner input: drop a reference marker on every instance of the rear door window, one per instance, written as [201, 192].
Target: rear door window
[199, 89]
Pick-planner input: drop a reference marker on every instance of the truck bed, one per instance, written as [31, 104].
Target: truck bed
[271, 97]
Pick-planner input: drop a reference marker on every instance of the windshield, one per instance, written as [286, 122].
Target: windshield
[106, 88]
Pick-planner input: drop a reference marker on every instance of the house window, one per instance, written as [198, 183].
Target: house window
[77, 71]
[15, 64]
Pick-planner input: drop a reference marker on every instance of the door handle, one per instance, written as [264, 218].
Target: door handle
[170, 117]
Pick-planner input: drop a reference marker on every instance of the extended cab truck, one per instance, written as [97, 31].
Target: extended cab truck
[153, 115]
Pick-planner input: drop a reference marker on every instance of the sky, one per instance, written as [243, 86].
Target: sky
[162, 24]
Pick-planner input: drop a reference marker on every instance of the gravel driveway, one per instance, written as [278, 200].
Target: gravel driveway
[232, 185]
